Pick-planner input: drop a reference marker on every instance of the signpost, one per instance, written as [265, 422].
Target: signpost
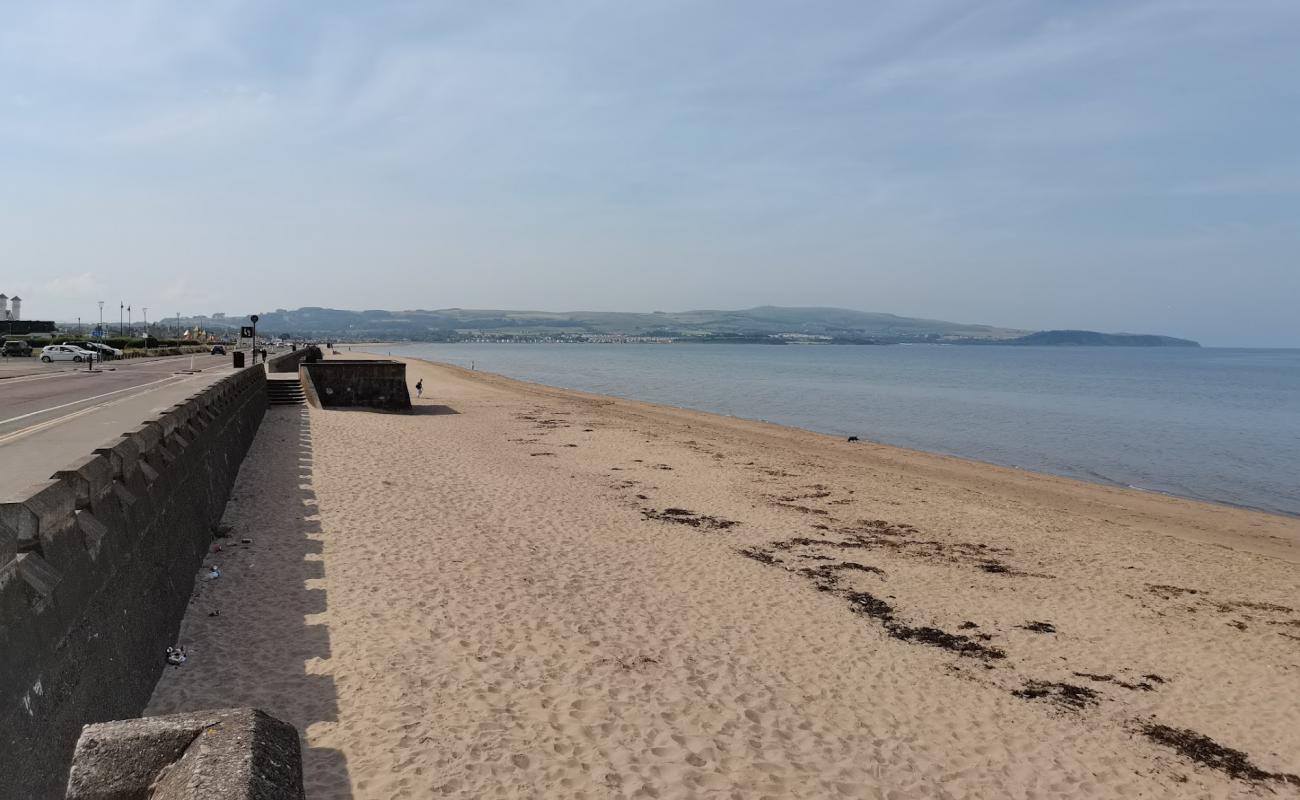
[248, 337]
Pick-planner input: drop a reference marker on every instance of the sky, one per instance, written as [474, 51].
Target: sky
[1120, 166]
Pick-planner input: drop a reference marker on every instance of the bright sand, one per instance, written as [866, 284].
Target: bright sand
[502, 595]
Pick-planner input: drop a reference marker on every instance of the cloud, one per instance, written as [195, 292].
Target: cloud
[397, 144]
[180, 290]
[81, 286]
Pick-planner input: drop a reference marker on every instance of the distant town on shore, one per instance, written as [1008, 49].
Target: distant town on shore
[762, 325]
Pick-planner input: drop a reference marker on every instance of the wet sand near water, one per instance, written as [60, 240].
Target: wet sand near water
[520, 591]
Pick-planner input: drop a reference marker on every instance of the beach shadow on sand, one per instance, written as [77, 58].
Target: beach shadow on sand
[417, 409]
[432, 410]
[312, 696]
[256, 649]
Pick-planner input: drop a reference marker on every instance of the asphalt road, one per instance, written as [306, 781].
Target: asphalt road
[54, 416]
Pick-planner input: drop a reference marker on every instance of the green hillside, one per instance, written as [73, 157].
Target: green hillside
[761, 321]
[767, 324]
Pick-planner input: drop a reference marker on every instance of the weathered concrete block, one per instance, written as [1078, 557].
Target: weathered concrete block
[39, 576]
[123, 455]
[166, 421]
[8, 544]
[124, 495]
[146, 437]
[150, 474]
[92, 532]
[43, 509]
[91, 476]
[165, 453]
[230, 754]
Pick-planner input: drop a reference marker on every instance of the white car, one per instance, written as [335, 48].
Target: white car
[104, 351]
[65, 352]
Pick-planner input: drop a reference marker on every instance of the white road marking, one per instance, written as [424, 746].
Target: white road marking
[50, 423]
[43, 375]
[85, 400]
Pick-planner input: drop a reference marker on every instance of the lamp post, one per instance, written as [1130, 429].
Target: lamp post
[146, 326]
[178, 325]
[101, 319]
[121, 315]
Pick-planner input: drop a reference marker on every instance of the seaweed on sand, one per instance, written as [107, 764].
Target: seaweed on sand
[1039, 626]
[869, 605]
[1208, 753]
[1066, 695]
[684, 516]
[761, 556]
[962, 645]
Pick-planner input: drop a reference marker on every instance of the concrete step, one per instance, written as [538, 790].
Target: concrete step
[281, 392]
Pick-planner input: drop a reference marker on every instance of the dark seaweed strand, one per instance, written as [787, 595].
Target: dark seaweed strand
[1205, 751]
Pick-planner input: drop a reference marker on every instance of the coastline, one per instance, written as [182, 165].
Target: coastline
[1154, 434]
[1203, 521]
[521, 590]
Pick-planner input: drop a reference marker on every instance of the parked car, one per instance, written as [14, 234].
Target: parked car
[218, 350]
[66, 352]
[104, 351]
[16, 347]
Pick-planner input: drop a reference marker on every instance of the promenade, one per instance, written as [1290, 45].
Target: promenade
[52, 415]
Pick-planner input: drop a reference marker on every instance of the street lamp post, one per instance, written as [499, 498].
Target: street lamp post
[101, 319]
[146, 326]
[254, 319]
[121, 324]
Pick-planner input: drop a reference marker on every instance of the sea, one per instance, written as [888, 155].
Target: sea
[1214, 424]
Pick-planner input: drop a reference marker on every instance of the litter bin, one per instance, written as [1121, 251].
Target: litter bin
[239, 359]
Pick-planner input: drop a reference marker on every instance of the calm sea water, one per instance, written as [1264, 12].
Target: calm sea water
[1212, 424]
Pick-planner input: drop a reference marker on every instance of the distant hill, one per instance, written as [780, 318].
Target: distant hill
[1094, 339]
[762, 321]
[768, 324]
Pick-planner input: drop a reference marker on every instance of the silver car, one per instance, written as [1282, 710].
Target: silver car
[105, 352]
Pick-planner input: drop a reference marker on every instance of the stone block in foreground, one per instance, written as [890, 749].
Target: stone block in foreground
[227, 754]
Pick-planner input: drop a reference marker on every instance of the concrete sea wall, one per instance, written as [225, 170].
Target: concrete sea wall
[290, 361]
[373, 384]
[96, 568]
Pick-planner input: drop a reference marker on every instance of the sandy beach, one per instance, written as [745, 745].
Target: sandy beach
[520, 591]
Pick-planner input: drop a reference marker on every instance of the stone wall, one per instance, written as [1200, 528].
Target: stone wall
[373, 384]
[96, 568]
[290, 361]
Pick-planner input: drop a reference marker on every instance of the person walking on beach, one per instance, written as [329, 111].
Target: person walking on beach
[419, 388]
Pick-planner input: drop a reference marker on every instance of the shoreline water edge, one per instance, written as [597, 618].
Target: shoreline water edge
[1182, 425]
[519, 591]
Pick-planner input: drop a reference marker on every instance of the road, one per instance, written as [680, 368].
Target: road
[58, 414]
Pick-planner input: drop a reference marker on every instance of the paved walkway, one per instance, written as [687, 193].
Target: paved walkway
[47, 421]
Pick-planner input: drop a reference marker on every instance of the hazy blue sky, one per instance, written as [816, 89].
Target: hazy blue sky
[1109, 165]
